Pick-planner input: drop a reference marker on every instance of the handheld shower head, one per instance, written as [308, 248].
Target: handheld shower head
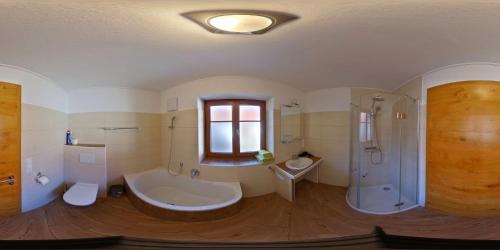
[172, 122]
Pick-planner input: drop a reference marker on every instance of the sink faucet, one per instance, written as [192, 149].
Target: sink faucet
[195, 172]
[295, 156]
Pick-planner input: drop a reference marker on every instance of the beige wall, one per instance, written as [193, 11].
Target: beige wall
[43, 137]
[127, 151]
[255, 180]
[327, 135]
[327, 122]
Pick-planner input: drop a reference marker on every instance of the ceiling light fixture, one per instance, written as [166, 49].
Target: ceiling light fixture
[247, 22]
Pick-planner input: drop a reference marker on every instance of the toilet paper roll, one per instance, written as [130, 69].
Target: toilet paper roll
[44, 180]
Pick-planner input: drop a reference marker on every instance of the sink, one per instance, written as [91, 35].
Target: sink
[299, 163]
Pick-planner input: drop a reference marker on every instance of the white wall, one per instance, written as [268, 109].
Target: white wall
[459, 72]
[448, 74]
[188, 93]
[37, 89]
[333, 99]
[114, 99]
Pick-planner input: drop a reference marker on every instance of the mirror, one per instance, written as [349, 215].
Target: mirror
[291, 123]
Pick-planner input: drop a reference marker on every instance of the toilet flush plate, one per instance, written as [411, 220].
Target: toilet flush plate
[88, 158]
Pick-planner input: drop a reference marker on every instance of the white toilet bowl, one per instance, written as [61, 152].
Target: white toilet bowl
[81, 194]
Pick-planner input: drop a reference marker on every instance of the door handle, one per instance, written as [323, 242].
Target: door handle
[9, 180]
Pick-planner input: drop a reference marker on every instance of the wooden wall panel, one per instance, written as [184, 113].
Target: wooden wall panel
[10, 148]
[463, 148]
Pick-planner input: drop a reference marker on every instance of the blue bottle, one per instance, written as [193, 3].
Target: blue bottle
[68, 137]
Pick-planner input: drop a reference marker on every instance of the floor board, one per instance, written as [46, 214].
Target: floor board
[319, 212]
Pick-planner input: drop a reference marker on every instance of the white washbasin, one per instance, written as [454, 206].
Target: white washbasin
[299, 163]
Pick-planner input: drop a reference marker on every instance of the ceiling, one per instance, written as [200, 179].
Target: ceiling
[147, 44]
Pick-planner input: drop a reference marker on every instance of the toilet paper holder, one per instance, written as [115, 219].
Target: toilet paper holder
[41, 179]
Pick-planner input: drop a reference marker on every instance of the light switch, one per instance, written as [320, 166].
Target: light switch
[88, 158]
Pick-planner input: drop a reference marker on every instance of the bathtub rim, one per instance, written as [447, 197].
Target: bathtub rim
[130, 180]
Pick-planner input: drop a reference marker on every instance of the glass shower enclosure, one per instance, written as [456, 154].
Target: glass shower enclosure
[384, 153]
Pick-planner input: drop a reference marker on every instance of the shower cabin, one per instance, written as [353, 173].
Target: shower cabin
[384, 153]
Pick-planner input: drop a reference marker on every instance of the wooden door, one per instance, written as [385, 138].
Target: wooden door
[10, 149]
[463, 148]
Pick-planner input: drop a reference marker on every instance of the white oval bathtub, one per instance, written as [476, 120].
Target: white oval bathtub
[182, 193]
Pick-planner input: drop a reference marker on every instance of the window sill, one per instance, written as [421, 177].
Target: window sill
[217, 162]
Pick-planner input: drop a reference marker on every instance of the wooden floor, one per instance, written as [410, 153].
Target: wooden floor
[319, 212]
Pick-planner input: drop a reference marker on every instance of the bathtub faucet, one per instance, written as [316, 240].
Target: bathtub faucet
[195, 172]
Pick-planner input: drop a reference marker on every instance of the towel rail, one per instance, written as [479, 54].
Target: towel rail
[119, 128]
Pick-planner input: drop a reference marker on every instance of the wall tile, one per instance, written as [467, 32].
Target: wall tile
[128, 151]
[43, 133]
[327, 135]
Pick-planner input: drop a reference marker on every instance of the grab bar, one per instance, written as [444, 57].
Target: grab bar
[10, 180]
[119, 128]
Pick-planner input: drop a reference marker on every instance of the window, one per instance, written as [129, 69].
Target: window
[234, 129]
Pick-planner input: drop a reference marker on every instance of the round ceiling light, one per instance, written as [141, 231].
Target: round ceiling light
[240, 23]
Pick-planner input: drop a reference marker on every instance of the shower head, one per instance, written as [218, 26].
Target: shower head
[293, 104]
[375, 110]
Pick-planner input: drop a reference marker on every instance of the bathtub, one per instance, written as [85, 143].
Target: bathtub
[157, 193]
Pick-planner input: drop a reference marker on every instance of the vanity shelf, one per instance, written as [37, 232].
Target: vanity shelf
[287, 177]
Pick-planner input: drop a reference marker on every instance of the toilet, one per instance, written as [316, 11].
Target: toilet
[81, 194]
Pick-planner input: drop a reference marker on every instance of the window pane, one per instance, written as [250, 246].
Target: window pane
[221, 134]
[249, 113]
[249, 136]
[221, 113]
[362, 117]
